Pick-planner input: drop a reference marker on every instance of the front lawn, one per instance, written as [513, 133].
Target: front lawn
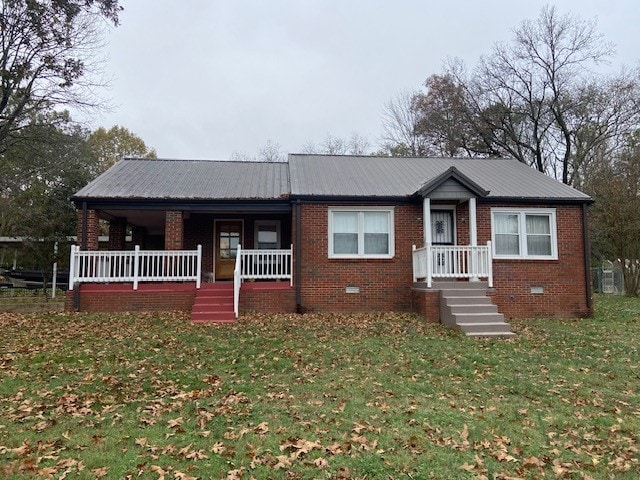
[376, 396]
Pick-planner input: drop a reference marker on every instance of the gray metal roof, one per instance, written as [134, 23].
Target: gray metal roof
[190, 179]
[362, 176]
[317, 176]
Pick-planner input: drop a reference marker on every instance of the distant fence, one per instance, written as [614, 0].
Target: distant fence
[607, 278]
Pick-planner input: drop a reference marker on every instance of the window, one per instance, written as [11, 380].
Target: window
[365, 232]
[527, 233]
[267, 234]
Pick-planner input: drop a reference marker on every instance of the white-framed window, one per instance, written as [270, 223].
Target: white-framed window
[361, 232]
[267, 234]
[524, 233]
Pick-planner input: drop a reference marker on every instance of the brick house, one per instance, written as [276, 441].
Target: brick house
[464, 242]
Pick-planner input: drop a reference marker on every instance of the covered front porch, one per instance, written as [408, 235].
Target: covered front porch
[221, 244]
[450, 249]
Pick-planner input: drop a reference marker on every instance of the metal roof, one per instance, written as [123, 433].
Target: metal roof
[310, 176]
[364, 176]
[190, 179]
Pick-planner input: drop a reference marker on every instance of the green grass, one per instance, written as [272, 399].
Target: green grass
[334, 396]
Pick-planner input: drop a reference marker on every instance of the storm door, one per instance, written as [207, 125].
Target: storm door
[442, 233]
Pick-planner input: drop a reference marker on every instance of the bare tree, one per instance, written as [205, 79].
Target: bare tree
[48, 50]
[524, 95]
[271, 152]
[399, 120]
[332, 145]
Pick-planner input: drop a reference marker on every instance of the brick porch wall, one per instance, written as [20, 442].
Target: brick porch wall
[271, 297]
[122, 298]
[426, 303]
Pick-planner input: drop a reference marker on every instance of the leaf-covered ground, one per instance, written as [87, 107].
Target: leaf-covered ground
[334, 396]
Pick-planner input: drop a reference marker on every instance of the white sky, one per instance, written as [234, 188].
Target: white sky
[202, 79]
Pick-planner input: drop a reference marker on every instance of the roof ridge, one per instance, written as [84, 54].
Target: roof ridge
[203, 160]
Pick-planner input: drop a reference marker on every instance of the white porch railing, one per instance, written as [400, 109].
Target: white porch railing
[261, 265]
[444, 261]
[134, 266]
[237, 281]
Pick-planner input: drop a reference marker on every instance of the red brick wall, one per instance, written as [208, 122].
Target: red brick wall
[385, 284]
[173, 230]
[426, 303]
[93, 229]
[258, 297]
[122, 298]
[117, 233]
[563, 280]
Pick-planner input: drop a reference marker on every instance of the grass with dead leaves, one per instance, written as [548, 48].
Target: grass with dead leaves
[318, 396]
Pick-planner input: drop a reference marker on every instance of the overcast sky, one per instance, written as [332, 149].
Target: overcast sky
[203, 79]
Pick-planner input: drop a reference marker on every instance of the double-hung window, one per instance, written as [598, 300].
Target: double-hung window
[524, 233]
[361, 232]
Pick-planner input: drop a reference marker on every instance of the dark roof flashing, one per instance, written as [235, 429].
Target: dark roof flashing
[452, 173]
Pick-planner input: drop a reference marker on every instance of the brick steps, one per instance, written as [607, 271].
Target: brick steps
[214, 304]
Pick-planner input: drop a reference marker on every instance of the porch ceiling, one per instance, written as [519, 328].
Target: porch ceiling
[151, 220]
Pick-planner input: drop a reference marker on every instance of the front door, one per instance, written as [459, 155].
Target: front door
[442, 227]
[228, 234]
[442, 233]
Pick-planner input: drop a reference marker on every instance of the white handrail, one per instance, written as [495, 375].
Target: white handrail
[453, 261]
[237, 282]
[266, 264]
[88, 266]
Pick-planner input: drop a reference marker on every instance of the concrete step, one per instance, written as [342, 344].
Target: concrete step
[214, 293]
[221, 317]
[480, 327]
[463, 292]
[473, 308]
[481, 300]
[491, 334]
[442, 285]
[213, 303]
[479, 318]
[466, 306]
[212, 309]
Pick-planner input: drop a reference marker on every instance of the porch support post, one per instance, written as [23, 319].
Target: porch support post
[88, 228]
[426, 232]
[473, 225]
[426, 220]
[117, 233]
[473, 237]
[173, 230]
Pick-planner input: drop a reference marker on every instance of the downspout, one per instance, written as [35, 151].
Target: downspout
[298, 259]
[83, 246]
[587, 256]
